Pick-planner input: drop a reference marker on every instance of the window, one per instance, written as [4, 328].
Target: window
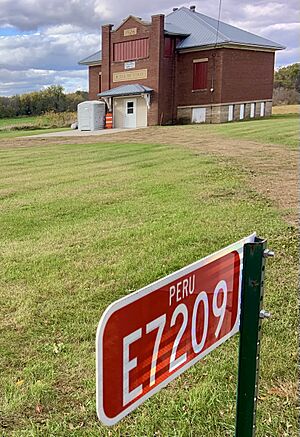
[198, 115]
[230, 112]
[130, 108]
[99, 83]
[252, 110]
[262, 109]
[242, 111]
[130, 50]
[200, 74]
[169, 46]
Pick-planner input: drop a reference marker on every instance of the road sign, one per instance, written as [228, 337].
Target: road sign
[149, 337]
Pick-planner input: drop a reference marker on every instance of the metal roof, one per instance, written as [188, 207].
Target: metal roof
[199, 30]
[202, 31]
[173, 29]
[126, 90]
[95, 58]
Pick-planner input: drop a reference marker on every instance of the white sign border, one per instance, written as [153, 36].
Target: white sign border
[120, 303]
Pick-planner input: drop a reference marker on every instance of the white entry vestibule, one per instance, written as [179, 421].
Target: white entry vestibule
[129, 105]
[130, 112]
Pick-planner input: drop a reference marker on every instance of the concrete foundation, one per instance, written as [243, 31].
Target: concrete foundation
[219, 113]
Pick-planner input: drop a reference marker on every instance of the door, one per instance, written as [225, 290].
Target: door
[262, 109]
[198, 115]
[130, 113]
[252, 110]
[84, 116]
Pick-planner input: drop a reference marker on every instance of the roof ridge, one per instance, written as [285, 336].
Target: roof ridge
[198, 15]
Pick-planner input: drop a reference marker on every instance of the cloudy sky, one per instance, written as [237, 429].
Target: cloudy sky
[41, 41]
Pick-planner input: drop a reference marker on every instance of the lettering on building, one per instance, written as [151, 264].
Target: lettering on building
[124, 76]
[129, 32]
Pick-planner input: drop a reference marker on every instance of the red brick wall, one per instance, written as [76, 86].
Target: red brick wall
[246, 75]
[239, 75]
[185, 96]
[167, 89]
[154, 32]
[94, 82]
[106, 56]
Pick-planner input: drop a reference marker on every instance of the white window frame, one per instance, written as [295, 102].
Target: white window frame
[263, 109]
[242, 111]
[198, 115]
[252, 110]
[230, 112]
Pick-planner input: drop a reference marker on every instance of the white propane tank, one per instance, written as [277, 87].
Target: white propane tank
[91, 115]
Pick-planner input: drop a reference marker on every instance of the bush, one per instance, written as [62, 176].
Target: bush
[284, 96]
[53, 119]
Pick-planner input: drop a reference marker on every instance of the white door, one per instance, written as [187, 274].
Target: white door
[230, 112]
[84, 117]
[130, 113]
[198, 115]
[262, 109]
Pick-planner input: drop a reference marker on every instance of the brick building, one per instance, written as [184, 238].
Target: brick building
[181, 68]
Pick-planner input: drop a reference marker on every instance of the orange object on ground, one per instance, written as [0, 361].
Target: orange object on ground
[109, 120]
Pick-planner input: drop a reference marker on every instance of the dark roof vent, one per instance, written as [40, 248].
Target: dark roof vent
[175, 9]
[193, 8]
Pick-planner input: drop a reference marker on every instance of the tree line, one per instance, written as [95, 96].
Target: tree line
[287, 85]
[50, 99]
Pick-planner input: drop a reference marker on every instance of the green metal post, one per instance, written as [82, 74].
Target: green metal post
[250, 333]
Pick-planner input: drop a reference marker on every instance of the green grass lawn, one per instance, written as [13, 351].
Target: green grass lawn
[81, 226]
[278, 129]
[14, 121]
[24, 126]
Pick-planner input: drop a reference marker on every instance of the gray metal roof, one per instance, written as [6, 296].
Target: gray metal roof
[126, 90]
[199, 30]
[202, 31]
[95, 58]
[173, 29]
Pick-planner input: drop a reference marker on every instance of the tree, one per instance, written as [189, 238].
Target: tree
[52, 98]
[288, 77]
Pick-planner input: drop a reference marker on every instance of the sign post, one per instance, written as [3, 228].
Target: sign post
[252, 314]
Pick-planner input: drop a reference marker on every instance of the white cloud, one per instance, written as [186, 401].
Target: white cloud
[52, 35]
[282, 27]
[18, 82]
[43, 51]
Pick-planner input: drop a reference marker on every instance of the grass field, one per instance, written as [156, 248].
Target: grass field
[24, 126]
[85, 224]
[278, 129]
[286, 109]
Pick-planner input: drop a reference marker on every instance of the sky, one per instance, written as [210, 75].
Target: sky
[41, 41]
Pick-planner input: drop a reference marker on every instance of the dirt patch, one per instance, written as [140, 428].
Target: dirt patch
[272, 169]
